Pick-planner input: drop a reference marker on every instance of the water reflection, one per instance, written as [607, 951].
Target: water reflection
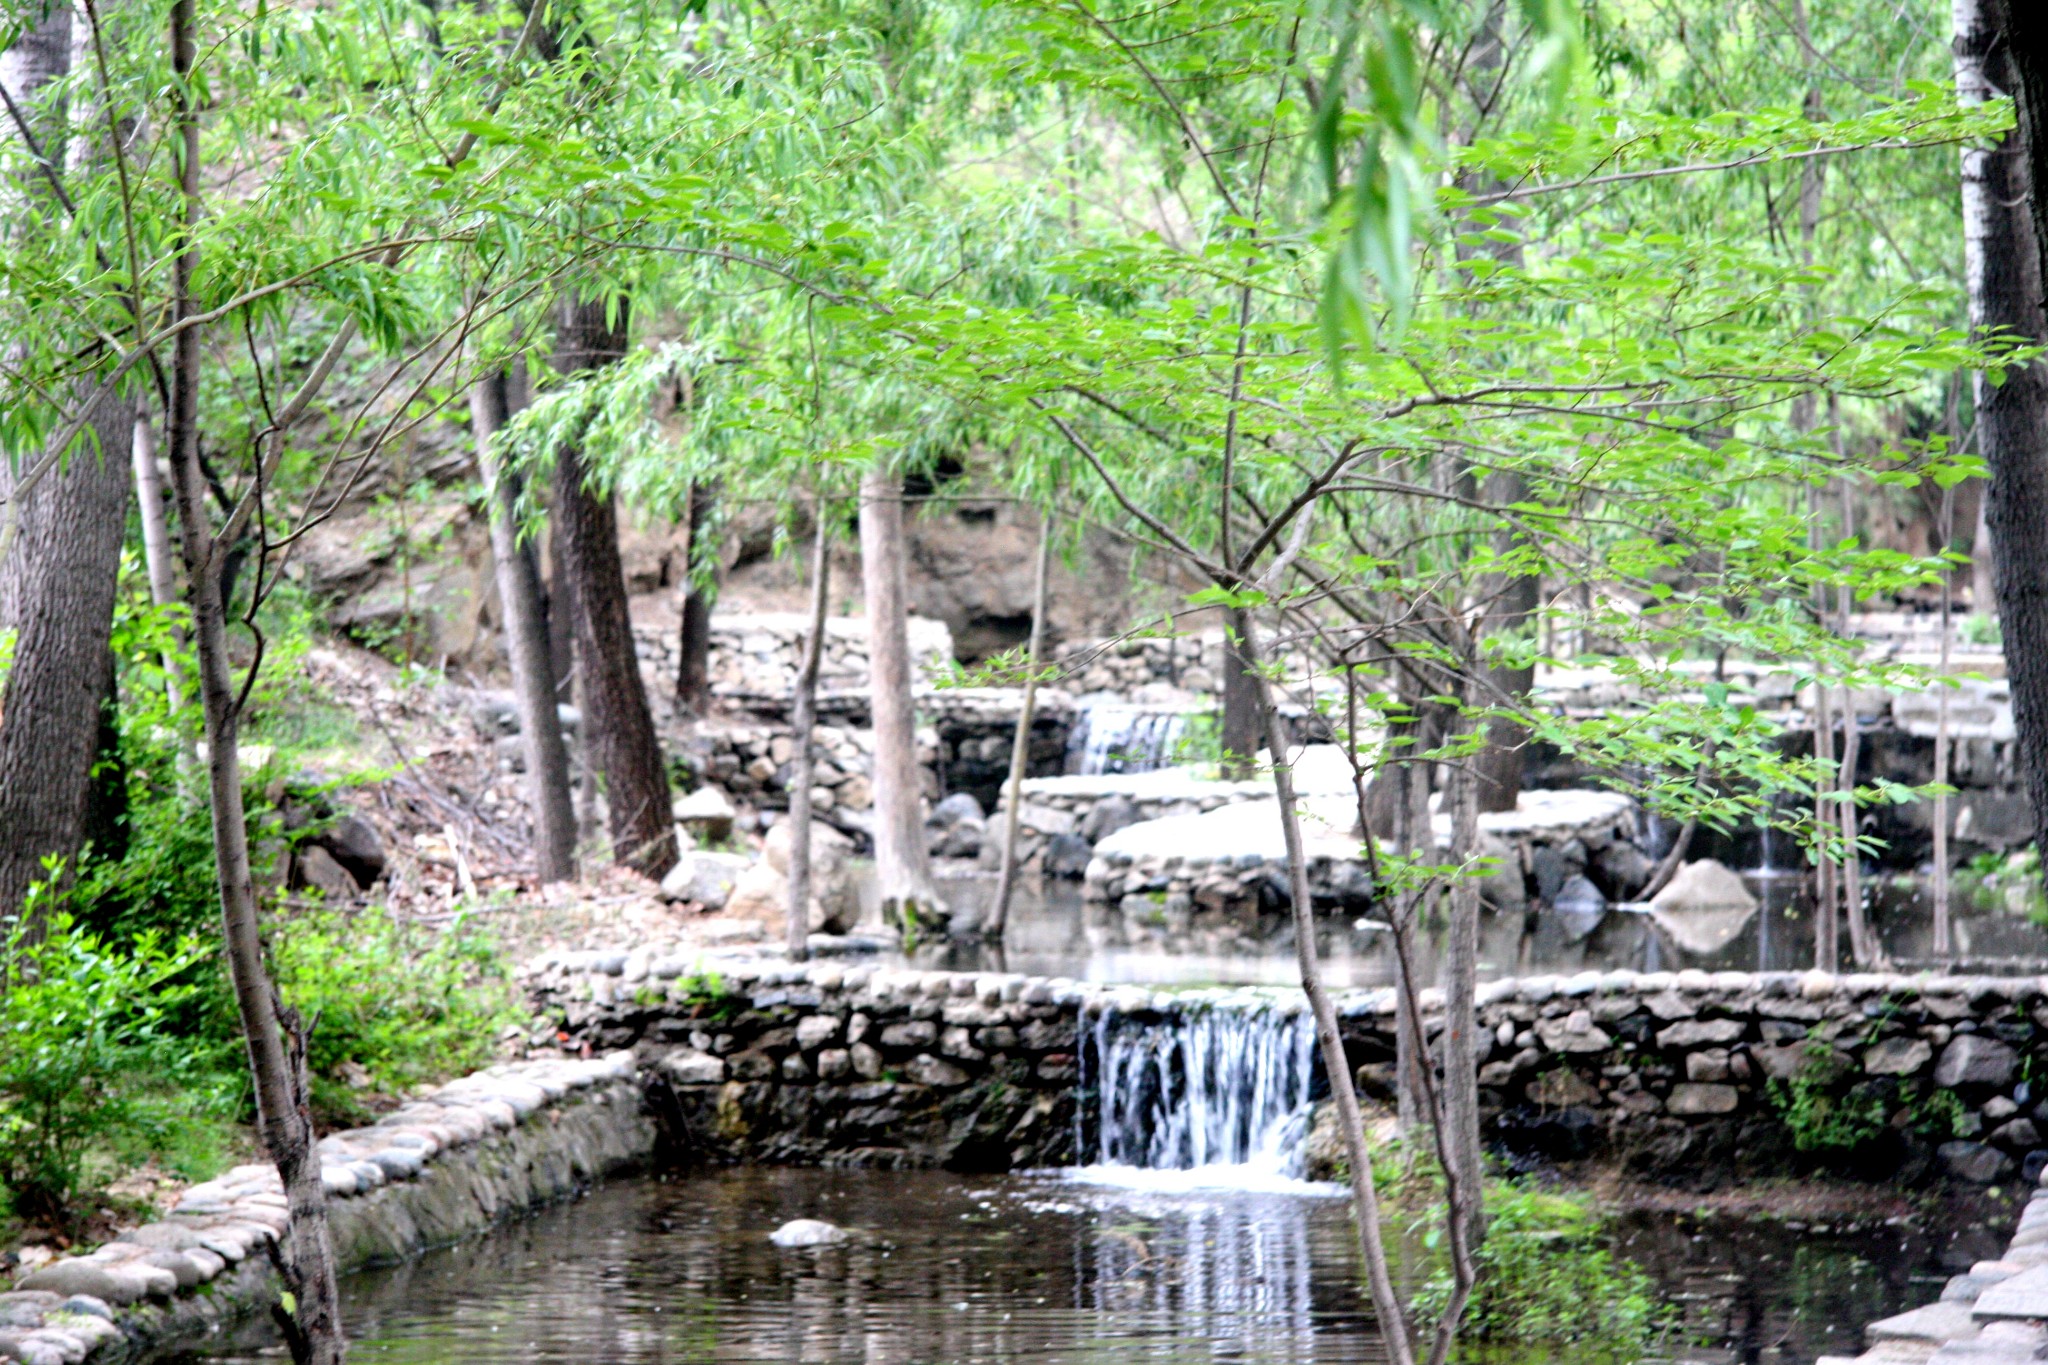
[946, 1269]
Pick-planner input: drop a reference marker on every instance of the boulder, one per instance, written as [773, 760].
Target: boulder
[761, 891]
[1108, 816]
[1575, 1033]
[1704, 908]
[1897, 1057]
[1580, 907]
[73, 1276]
[955, 808]
[352, 841]
[1973, 1162]
[687, 1066]
[1973, 1059]
[707, 815]
[1697, 1097]
[706, 878]
[1066, 855]
[315, 869]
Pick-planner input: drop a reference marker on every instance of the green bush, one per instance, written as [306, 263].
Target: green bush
[404, 1003]
[1547, 1274]
[1823, 1115]
[88, 1067]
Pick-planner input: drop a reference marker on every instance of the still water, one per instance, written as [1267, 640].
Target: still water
[944, 1268]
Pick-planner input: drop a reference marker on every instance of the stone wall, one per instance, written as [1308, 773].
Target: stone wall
[445, 1166]
[834, 1065]
[1687, 1075]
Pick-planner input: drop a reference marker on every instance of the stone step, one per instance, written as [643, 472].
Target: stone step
[2024, 1296]
[1935, 1325]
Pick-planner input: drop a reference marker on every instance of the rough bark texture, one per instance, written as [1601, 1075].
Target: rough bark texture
[804, 720]
[1499, 765]
[157, 554]
[1460, 986]
[2003, 241]
[693, 654]
[526, 647]
[998, 917]
[902, 863]
[283, 1119]
[56, 584]
[618, 727]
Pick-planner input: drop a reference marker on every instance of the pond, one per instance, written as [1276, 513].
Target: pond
[1127, 1267]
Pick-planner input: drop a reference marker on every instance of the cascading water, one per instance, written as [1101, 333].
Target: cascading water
[1219, 1089]
[1120, 737]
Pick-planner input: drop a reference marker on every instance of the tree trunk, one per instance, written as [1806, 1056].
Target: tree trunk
[283, 1121]
[1240, 737]
[526, 645]
[998, 918]
[693, 664]
[1458, 1057]
[57, 581]
[902, 863]
[156, 544]
[1500, 764]
[617, 726]
[804, 718]
[1393, 1320]
[2003, 243]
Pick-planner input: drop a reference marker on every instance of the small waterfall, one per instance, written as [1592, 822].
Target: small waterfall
[1121, 737]
[1213, 1086]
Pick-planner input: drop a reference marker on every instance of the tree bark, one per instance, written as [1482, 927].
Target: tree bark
[693, 661]
[58, 579]
[1499, 766]
[526, 645]
[1457, 1057]
[902, 863]
[277, 1072]
[1998, 50]
[156, 544]
[804, 720]
[618, 728]
[1241, 720]
[998, 917]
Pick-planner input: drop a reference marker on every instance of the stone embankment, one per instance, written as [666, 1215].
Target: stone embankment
[1691, 1074]
[448, 1164]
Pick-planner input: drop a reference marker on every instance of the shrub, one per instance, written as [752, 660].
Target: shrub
[87, 1065]
[1547, 1274]
[1821, 1114]
[404, 1003]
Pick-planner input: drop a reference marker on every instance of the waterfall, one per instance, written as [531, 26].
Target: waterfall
[1216, 1088]
[1120, 737]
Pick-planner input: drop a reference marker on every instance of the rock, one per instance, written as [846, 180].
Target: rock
[1973, 1162]
[687, 1066]
[1897, 1057]
[807, 1232]
[1694, 1097]
[496, 713]
[1575, 1033]
[926, 1069]
[1623, 868]
[314, 868]
[1973, 1059]
[73, 1276]
[706, 878]
[1693, 1032]
[85, 1305]
[1704, 908]
[2019, 1135]
[1562, 1088]
[816, 1030]
[707, 813]
[1066, 856]
[761, 892]
[955, 808]
[1580, 907]
[961, 839]
[163, 1237]
[352, 842]
[1108, 816]
[1709, 1065]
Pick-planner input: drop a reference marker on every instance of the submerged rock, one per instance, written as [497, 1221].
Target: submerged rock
[807, 1232]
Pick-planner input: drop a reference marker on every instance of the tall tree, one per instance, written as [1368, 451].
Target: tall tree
[1999, 50]
[60, 541]
[618, 727]
[526, 643]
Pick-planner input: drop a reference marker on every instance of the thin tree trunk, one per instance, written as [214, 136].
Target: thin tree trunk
[1393, 1319]
[998, 917]
[804, 714]
[618, 728]
[1461, 1007]
[1827, 954]
[902, 862]
[277, 1070]
[156, 545]
[1499, 766]
[1240, 737]
[1862, 945]
[526, 645]
[1942, 938]
[59, 574]
[693, 663]
[2004, 242]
